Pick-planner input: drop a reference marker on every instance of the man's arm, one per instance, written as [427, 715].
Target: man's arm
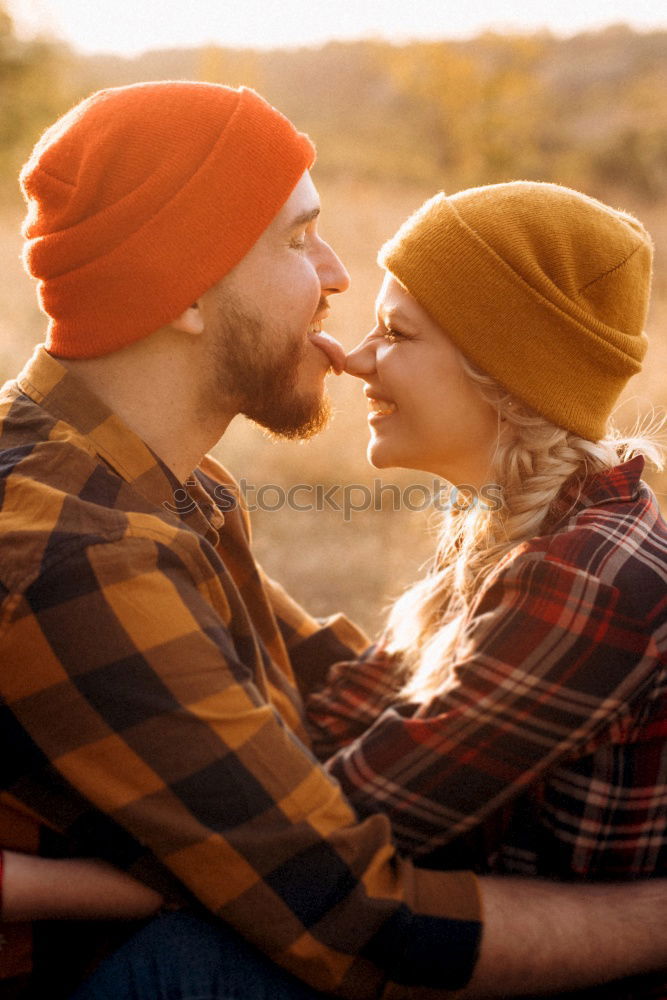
[313, 645]
[545, 937]
[36, 888]
[538, 937]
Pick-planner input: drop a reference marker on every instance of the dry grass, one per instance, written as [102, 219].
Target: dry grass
[327, 562]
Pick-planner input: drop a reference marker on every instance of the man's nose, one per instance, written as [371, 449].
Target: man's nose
[333, 275]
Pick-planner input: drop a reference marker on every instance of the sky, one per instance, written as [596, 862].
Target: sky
[132, 26]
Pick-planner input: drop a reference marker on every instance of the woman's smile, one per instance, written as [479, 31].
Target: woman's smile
[423, 413]
[379, 408]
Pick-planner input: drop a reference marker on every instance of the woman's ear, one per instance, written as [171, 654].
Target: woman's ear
[190, 321]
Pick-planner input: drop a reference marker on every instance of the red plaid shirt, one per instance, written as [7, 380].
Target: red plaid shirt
[548, 754]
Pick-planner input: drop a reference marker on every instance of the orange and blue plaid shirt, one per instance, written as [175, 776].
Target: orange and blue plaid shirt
[149, 714]
[546, 752]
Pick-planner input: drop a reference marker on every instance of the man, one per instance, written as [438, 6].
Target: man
[150, 707]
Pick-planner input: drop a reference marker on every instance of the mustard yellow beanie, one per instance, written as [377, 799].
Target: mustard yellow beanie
[542, 287]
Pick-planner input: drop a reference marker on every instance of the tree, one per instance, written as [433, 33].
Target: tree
[35, 88]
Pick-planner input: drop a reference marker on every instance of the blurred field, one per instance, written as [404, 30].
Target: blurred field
[329, 563]
[392, 124]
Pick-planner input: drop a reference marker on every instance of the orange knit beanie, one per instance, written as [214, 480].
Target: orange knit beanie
[540, 286]
[142, 197]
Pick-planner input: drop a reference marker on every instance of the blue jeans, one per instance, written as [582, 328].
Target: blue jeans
[178, 956]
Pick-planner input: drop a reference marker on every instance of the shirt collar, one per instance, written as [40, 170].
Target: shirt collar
[55, 388]
[619, 484]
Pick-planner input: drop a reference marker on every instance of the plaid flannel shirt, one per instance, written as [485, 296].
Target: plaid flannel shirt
[546, 754]
[149, 710]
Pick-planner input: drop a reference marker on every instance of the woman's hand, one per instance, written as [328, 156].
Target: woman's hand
[36, 888]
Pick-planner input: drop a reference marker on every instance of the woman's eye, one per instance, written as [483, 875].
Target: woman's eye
[298, 242]
[392, 336]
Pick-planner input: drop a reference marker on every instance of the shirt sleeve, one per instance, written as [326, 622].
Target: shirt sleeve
[547, 661]
[138, 695]
[313, 645]
[352, 699]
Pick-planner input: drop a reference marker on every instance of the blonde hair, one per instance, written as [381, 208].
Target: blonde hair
[533, 460]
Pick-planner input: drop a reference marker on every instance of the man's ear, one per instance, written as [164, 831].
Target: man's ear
[190, 321]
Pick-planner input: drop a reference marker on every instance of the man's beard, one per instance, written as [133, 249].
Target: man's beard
[258, 370]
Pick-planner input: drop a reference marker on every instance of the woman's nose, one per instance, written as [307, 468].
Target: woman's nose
[361, 360]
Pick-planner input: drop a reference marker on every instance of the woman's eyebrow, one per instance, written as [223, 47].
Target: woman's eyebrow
[392, 314]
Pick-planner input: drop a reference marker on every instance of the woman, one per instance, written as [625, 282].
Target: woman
[513, 716]
[520, 691]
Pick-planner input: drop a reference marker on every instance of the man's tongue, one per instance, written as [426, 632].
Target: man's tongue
[331, 348]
